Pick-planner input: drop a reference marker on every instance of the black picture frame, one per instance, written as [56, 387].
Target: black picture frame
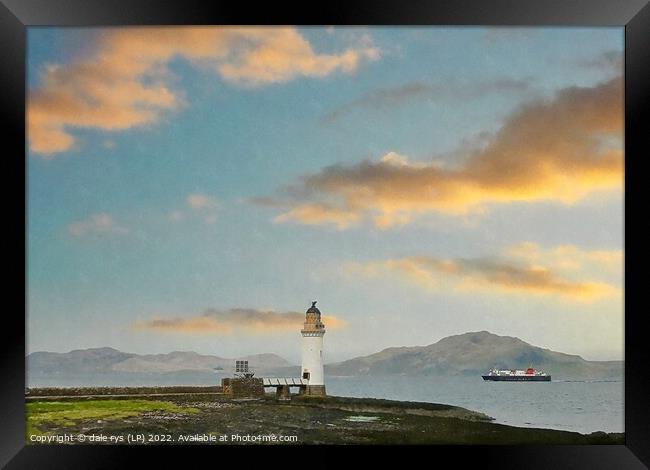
[633, 15]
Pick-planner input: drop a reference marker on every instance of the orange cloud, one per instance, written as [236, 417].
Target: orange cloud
[233, 320]
[284, 54]
[124, 82]
[317, 214]
[569, 257]
[555, 150]
[505, 274]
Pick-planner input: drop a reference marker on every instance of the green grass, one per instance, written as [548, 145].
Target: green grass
[69, 413]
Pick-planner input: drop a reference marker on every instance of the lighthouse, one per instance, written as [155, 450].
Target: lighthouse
[312, 352]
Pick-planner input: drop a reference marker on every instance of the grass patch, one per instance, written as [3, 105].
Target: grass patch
[69, 413]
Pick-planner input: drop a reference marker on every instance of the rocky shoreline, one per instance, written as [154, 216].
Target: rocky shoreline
[161, 415]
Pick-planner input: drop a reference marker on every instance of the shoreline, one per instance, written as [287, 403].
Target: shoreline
[182, 411]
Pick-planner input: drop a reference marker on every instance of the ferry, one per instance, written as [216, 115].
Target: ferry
[517, 375]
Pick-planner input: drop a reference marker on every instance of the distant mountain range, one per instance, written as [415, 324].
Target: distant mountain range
[466, 354]
[108, 366]
[472, 354]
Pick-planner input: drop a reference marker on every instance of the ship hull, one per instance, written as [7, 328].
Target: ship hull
[517, 378]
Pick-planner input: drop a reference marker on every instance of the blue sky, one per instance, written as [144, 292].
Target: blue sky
[191, 190]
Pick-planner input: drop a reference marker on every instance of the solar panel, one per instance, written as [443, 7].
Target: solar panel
[291, 381]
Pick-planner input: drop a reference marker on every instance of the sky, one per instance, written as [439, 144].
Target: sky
[195, 188]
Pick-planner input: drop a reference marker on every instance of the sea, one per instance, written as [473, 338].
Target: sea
[571, 405]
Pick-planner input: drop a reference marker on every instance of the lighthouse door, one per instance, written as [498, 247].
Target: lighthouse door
[305, 375]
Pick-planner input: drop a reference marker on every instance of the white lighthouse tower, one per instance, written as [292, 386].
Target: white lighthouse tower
[312, 352]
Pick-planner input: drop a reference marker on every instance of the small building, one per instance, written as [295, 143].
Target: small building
[242, 387]
[244, 384]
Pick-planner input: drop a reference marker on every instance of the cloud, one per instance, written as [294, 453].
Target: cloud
[320, 213]
[569, 257]
[200, 201]
[197, 205]
[611, 60]
[96, 224]
[392, 97]
[125, 81]
[283, 54]
[505, 274]
[558, 149]
[235, 320]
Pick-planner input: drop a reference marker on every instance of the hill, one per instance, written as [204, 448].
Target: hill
[108, 366]
[475, 353]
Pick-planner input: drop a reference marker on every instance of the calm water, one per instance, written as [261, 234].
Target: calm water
[573, 406]
[584, 407]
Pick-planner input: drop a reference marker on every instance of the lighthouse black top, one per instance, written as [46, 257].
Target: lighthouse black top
[313, 308]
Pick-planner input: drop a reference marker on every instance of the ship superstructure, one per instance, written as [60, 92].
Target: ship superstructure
[517, 375]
